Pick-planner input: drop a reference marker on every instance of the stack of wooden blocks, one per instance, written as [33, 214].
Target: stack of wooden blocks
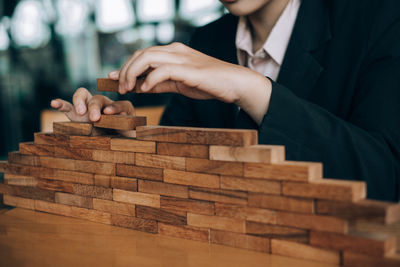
[210, 185]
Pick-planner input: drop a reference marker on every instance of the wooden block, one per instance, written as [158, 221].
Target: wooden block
[312, 222]
[327, 189]
[216, 222]
[160, 215]
[95, 167]
[250, 185]
[57, 163]
[164, 189]
[54, 208]
[102, 180]
[25, 170]
[114, 207]
[3, 166]
[55, 185]
[187, 205]
[359, 260]
[7, 189]
[199, 136]
[373, 244]
[91, 215]
[19, 202]
[236, 240]
[276, 231]
[23, 159]
[77, 128]
[73, 153]
[160, 161]
[72, 128]
[114, 156]
[139, 224]
[372, 227]
[218, 195]
[147, 173]
[107, 85]
[366, 209]
[34, 193]
[78, 165]
[120, 122]
[285, 171]
[31, 148]
[256, 153]
[51, 139]
[183, 150]
[124, 183]
[214, 166]
[131, 145]
[185, 232]
[302, 251]
[138, 198]
[244, 213]
[90, 142]
[74, 200]
[128, 133]
[15, 179]
[191, 178]
[281, 203]
[72, 176]
[93, 191]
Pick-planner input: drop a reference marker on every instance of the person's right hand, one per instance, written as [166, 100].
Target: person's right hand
[87, 107]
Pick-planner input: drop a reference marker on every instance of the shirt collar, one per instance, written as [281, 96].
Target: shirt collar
[277, 42]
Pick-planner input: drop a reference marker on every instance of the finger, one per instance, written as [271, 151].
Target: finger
[114, 75]
[146, 61]
[162, 74]
[122, 73]
[120, 107]
[80, 99]
[173, 78]
[95, 105]
[123, 85]
[61, 105]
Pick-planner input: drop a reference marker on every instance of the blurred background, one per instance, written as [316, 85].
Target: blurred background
[48, 48]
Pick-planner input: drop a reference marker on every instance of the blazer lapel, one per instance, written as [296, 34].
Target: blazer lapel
[300, 70]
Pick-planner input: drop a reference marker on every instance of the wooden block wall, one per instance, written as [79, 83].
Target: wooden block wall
[209, 185]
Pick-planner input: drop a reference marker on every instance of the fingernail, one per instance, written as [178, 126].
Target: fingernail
[81, 109]
[95, 115]
[108, 109]
[54, 103]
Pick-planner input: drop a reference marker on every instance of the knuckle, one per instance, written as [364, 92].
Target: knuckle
[178, 45]
[136, 53]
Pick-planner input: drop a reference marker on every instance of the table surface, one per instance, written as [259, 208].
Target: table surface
[31, 238]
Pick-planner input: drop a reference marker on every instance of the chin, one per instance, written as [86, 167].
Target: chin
[243, 7]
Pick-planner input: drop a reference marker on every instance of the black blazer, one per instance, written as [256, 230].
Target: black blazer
[337, 97]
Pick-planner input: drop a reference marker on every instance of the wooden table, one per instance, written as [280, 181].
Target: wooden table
[29, 238]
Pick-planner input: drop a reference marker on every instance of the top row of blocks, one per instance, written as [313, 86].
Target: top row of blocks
[186, 135]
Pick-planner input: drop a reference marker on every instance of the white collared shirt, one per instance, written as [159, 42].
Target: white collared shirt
[269, 58]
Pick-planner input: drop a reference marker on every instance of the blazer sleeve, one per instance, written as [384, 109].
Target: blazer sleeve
[364, 146]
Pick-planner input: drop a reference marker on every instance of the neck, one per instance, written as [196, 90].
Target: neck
[263, 20]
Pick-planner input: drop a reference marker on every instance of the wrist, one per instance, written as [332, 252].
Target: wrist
[255, 98]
